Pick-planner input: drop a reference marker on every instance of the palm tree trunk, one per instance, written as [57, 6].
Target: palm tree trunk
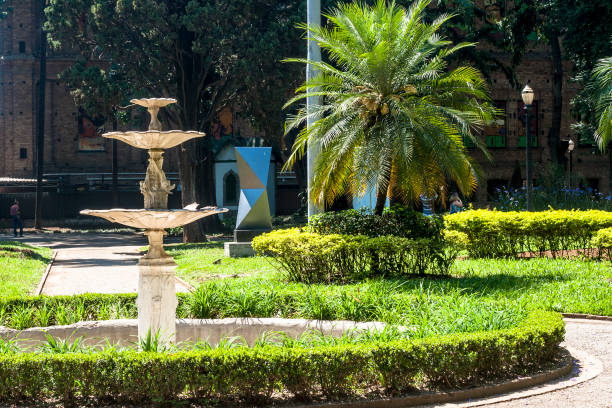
[381, 198]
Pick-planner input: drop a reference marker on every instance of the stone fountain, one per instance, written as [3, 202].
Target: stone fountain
[156, 281]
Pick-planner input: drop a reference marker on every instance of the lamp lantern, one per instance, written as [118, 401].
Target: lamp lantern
[527, 95]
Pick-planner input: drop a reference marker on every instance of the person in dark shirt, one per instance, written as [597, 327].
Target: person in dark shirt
[16, 216]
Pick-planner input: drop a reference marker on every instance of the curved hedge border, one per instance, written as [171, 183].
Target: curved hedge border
[253, 375]
[311, 257]
[501, 233]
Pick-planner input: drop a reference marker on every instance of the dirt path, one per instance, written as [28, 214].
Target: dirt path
[92, 263]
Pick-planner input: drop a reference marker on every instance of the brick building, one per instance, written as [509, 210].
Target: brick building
[66, 150]
[72, 143]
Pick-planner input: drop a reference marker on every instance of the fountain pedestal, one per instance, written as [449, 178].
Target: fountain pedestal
[157, 291]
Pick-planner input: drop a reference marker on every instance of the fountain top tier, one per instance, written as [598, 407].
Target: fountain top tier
[154, 138]
[153, 105]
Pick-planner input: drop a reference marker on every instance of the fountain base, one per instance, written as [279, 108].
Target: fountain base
[157, 299]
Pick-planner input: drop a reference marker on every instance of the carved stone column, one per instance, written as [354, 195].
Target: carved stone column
[156, 187]
[157, 291]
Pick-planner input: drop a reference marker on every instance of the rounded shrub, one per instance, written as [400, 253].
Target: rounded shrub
[396, 221]
[312, 257]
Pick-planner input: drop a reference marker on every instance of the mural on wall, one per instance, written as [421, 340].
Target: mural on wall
[224, 126]
[90, 132]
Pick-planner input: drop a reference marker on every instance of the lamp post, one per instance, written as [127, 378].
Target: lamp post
[313, 17]
[527, 95]
[40, 120]
[570, 149]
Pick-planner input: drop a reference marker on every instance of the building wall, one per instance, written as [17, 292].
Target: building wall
[19, 71]
[588, 164]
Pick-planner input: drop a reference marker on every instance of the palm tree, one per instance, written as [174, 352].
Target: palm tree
[602, 75]
[392, 115]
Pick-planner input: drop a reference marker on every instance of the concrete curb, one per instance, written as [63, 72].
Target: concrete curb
[41, 284]
[587, 317]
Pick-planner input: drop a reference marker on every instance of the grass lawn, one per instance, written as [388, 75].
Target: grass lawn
[21, 267]
[563, 285]
[198, 263]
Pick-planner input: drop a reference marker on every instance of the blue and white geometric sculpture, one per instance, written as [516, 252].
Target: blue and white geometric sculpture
[253, 208]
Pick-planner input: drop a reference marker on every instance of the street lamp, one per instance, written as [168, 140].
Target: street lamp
[527, 95]
[570, 149]
[313, 19]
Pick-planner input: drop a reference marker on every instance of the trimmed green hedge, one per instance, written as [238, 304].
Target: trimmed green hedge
[251, 375]
[311, 257]
[397, 221]
[503, 234]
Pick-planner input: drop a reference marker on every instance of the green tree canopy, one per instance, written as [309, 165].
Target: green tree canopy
[392, 114]
[208, 54]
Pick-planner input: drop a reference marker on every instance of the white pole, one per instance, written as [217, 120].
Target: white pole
[313, 18]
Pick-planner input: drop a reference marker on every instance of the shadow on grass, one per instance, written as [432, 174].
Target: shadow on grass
[18, 249]
[491, 284]
[199, 245]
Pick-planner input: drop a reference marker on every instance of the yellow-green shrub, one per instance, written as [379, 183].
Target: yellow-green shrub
[311, 257]
[501, 233]
[603, 241]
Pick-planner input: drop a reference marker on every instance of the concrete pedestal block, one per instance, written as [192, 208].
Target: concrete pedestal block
[157, 298]
[247, 235]
[238, 249]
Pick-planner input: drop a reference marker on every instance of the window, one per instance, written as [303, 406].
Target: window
[468, 143]
[230, 189]
[495, 132]
[22, 48]
[23, 153]
[533, 124]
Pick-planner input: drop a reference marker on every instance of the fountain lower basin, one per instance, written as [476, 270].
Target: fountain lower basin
[124, 333]
[154, 219]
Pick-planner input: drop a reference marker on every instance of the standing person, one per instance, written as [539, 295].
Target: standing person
[456, 205]
[16, 216]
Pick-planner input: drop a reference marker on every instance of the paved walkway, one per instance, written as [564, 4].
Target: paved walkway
[593, 337]
[92, 263]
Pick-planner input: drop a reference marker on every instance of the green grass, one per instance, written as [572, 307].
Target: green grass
[197, 263]
[572, 286]
[21, 267]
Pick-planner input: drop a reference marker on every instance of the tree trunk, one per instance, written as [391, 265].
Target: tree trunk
[554, 135]
[381, 198]
[196, 170]
[196, 160]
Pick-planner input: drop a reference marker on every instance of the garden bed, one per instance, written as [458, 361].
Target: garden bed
[265, 373]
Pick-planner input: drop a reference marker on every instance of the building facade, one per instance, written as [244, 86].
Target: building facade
[73, 144]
